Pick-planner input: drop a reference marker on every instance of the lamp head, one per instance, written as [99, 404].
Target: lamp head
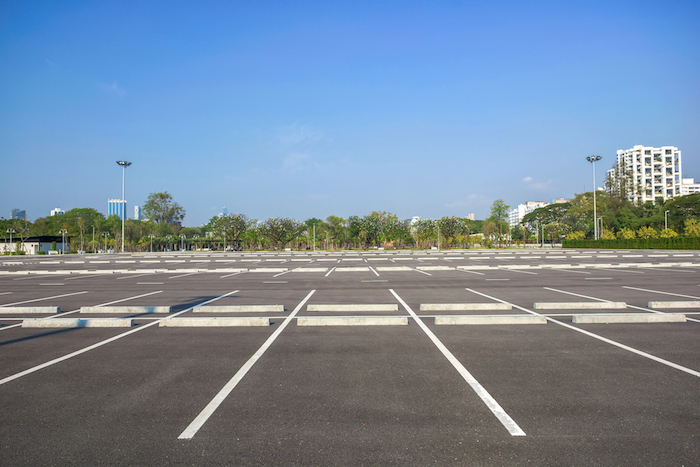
[124, 163]
[593, 158]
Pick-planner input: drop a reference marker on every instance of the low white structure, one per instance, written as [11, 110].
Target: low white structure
[57, 211]
[33, 245]
[689, 187]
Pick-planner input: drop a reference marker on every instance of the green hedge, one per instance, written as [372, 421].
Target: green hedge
[677, 243]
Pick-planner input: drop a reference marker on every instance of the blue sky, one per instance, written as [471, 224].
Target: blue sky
[311, 109]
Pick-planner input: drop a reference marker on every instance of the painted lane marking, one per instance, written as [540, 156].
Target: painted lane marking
[329, 272]
[622, 270]
[660, 292]
[5, 293]
[597, 278]
[274, 282]
[375, 272]
[149, 283]
[567, 270]
[53, 283]
[131, 277]
[668, 270]
[490, 402]
[496, 279]
[518, 271]
[101, 343]
[287, 272]
[229, 275]
[207, 412]
[183, 275]
[422, 272]
[472, 272]
[47, 298]
[600, 338]
[577, 295]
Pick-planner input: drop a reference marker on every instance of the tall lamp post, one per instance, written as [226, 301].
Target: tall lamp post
[592, 160]
[182, 242]
[124, 165]
[11, 231]
[63, 233]
[105, 235]
[151, 236]
[666, 219]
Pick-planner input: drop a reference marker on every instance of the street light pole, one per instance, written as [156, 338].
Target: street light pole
[63, 233]
[105, 234]
[314, 237]
[592, 160]
[666, 219]
[124, 165]
[11, 231]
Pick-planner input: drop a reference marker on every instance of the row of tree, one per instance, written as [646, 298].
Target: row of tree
[617, 218]
[89, 230]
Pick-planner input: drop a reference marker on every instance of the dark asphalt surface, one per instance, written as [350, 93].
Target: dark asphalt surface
[354, 395]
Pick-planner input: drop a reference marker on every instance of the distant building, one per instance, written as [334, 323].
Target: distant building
[470, 216]
[645, 173]
[560, 201]
[33, 245]
[414, 220]
[19, 214]
[517, 214]
[116, 207]
[57, 211]
[137, 213]
[689, 187]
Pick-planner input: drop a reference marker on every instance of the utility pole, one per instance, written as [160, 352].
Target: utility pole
[124, 165]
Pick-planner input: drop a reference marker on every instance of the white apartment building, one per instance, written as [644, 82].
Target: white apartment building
[517, 214]
[689, 187]
[57, 212]
[647, 173]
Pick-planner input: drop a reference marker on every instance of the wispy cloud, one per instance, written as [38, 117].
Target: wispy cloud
[470, 201]
[296, 161]
[298, 135]
[113, 89]
[527, 179]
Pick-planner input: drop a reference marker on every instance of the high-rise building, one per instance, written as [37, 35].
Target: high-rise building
[470, 216]
[645, 173]
[116, 207]
[137, 213]
[517, 214]
[19, 214]
[57, 211]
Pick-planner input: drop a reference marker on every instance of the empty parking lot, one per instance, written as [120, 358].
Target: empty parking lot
[406, 358]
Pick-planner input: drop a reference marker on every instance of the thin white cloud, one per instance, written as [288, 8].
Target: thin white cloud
[296, 161]
[527, 179]
[296, 135]
[113, 89]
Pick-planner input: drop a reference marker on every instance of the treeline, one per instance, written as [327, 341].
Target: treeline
[618, 218]
[89, 231]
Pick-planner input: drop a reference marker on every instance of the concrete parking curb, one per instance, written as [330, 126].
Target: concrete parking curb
[213, 322]
[464, 306]
[125, 309]
[29, 309]
[238, 309]
[489, 320]
[78, 323]
[353, 321]
[361, 307]
[628, 318]
[674, 304]
[580, 306]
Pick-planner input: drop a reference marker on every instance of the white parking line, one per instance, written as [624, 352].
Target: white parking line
[131, 277]
[5, 293]
[660, 292]
[472, 272]
[596, 336]
[375, 272]
[329, 272]
[207, 412]
[567, 270]
[422, 272]
[518, 271]
[490, 402]
[286, 272]
[229, 275]
[40, 299]
[183, 275]
[101, 343]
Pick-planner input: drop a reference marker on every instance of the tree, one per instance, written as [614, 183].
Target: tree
[282, 230]
[161, 209]
[230, 226]
[500, 216]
